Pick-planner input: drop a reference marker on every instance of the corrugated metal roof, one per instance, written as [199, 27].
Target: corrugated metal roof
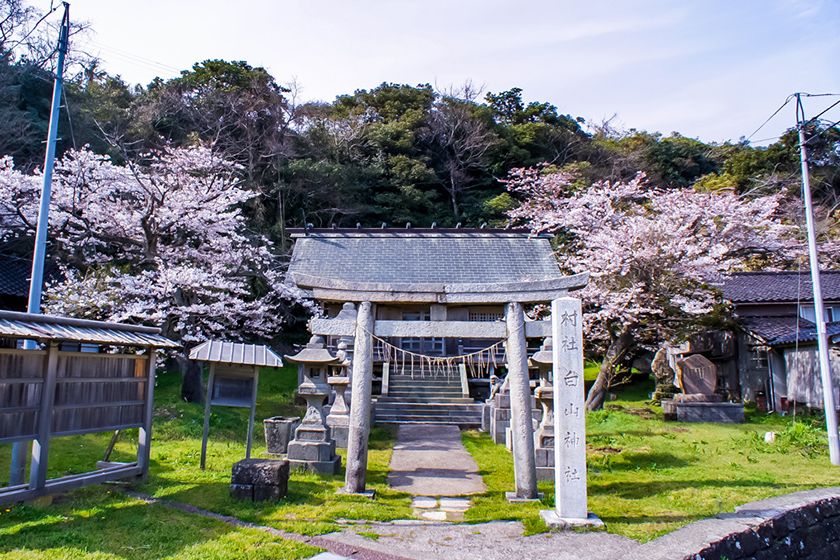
[64, 329]
[235, 353]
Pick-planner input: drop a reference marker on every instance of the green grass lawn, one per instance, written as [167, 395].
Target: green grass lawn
[648, 477]
[98, 523]
[311, 507]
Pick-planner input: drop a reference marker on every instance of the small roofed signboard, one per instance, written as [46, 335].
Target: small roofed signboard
[234, 377]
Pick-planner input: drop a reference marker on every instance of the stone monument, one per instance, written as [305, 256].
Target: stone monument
[313, 447]
[698, 402]
[570, 509]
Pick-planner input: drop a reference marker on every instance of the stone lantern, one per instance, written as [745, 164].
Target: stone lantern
[544, 393]
[313, 447]
[338, 419]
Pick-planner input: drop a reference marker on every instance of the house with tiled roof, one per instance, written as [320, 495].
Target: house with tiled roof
[776, 343]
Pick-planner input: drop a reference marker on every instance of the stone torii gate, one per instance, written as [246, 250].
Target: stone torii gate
[515, 329]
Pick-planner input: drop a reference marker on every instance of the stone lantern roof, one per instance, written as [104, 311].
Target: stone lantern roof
[314, 353]
[545, 355]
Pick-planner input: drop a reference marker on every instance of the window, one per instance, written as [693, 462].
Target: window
[428, 346]
[759, 358]
[830, 314]
[485, 316]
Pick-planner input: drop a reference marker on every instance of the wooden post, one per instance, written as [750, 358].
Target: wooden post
[357, 439]
[386, 378]
[522, 429]
[41, 444]
[144, 442]
[207, 398]
[253, 410]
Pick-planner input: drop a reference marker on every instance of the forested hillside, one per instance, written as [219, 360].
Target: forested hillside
[393, 153]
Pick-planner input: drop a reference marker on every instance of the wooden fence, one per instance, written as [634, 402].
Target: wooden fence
[49, 393]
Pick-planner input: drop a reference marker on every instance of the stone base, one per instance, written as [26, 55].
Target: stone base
[545, 473]
[339, 435]
[710, 412]
[370, 494]
[557, 523]
[259, 479]
[319, 467]
[514, 499]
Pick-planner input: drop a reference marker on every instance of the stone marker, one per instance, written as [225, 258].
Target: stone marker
[259, 479]
[697, 375]
[569, 420]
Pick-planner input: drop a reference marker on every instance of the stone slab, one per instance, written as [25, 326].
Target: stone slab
[430, 460]
[424, 502]
[514, 499]
[557, 523]
[320, 467]
[710, 412]
[262, 472]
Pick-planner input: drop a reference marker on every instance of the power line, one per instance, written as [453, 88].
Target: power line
[830, 107]
[770, 118]
[821, 132]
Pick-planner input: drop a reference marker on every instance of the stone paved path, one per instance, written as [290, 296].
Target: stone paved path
[498, 540]
[430, 460]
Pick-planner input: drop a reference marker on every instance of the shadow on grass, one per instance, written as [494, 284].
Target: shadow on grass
[99, 524]
[640, 490]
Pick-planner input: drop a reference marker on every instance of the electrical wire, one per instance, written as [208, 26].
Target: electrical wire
[830, 107]
[770, 118]
[69, 118]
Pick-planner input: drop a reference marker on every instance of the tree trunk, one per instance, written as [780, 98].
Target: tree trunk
[453, 194]
[615, 352]
[191, 387]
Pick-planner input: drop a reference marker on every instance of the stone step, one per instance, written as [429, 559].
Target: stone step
[422, 388]
[422, 384]
[429, 391]
[449, 398]
[424, 399]
[430, 419]
[433, 408]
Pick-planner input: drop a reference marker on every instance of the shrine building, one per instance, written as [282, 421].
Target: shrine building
[441, 304]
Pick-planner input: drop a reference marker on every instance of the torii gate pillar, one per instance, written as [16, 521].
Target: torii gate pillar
[362, 380]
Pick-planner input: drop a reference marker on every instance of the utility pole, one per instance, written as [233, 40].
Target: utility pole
[822, 338]
[18, 462]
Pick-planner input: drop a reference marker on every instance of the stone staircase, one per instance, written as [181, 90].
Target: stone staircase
[426, 400]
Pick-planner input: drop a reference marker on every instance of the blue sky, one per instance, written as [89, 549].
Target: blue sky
[712, 69]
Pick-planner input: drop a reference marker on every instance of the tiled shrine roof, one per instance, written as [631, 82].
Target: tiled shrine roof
[424, 256]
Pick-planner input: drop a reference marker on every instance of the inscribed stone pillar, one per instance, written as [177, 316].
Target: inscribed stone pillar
[569, 418]
[522, 429]
[361, 381]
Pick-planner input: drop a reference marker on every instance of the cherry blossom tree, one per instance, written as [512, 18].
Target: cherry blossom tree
[164, 243]
[654, 255]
